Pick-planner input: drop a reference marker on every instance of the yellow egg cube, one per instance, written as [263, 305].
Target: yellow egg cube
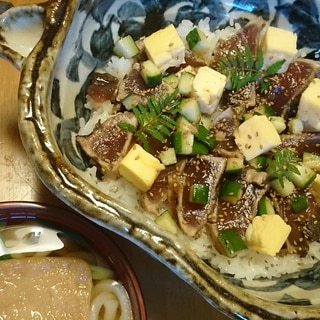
[279, 43]
[256, 136]
[309, 105]
[140, 167]
[267, 234]
[208, 87]
[165, 48]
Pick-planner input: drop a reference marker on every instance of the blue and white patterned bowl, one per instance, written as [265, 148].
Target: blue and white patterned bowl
[78, 37]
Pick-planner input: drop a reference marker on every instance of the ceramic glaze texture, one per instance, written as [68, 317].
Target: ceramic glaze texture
[52, 101]
[20, 30]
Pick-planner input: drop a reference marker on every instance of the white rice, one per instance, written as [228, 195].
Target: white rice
[247, 264]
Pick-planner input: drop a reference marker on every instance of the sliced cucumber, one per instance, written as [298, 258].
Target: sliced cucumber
[126, 47]
[199, 193]
[265, 206]
[264, 109]
[206, 121]
[311, 160]
[284, 189]
[231, 241]
[247, 115]
[183, 137]
[231, 191]
[130, 101]
[199, 148]
[197, 41]
[172, 80]
[205, 136]
[166, 221]
[299, 203]
[183, 125]
[259, 163]
[185, 84]
[234, 165]
[306, 176]
[151, 74]
[190, 109]
[279, 123]
[168, 156]
[183, 142]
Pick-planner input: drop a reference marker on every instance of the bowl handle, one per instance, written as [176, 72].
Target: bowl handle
[21, 28]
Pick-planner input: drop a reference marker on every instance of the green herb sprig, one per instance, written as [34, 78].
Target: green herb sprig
[241, 67]
[156, 118]
[284, 162]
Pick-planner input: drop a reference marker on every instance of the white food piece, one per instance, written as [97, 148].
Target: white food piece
[267, 233]
[279, 43]
[208, 86]
[165, 48]
[140, 168]
[295, 126]
[256, 136]
[309, 106]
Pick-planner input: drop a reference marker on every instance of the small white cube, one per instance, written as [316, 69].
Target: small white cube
[208, 86]
[279, 42]
[309, 106]
[165, 48]
[256, 136]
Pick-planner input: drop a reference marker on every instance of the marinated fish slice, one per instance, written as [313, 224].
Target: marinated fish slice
[248, 35]
[239, 215]
[103, 87]
[134, 85]
[203, 170]
[161, 191]
[286, 88]
[236, 217]
[108, 143]
[305, 224]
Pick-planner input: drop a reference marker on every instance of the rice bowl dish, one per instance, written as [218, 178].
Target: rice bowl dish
[253, 264]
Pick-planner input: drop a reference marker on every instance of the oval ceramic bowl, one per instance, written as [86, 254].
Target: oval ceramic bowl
[78, 37]
[36, 214]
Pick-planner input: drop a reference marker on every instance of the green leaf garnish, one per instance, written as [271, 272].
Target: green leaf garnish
[241, 67]
[156, 118]
[284, 162]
